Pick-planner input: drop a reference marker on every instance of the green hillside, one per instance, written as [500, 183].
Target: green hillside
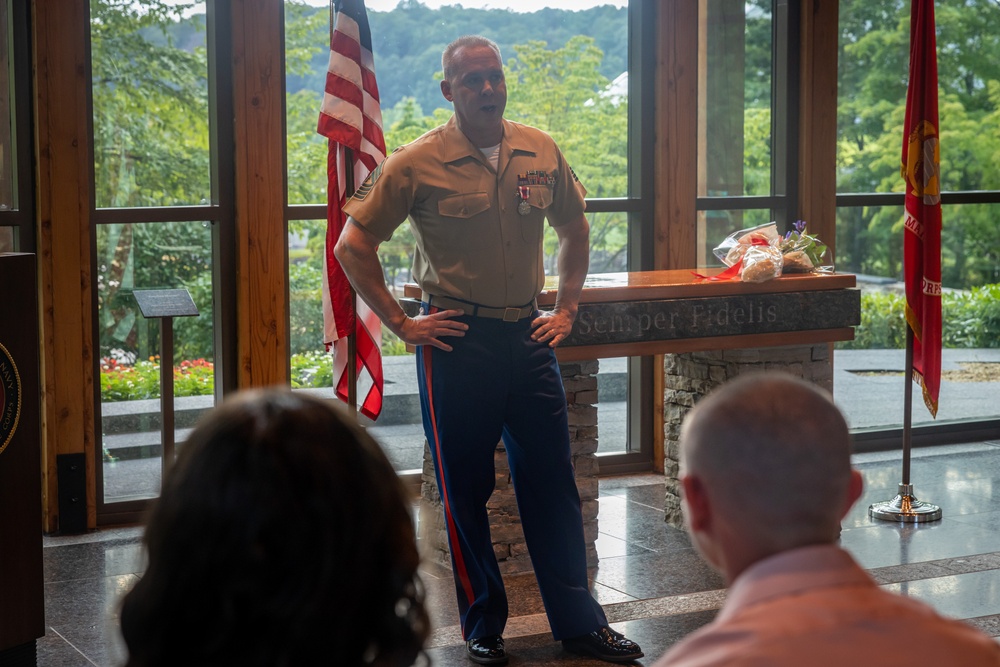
[408, 41]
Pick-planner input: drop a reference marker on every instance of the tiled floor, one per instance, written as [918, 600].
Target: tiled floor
[654, 587]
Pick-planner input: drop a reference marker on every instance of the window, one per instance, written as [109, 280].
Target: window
[576, 73]
[742, 96]
[874, 41]
[158, 215]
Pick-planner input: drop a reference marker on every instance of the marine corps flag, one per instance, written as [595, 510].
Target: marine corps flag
[352, 120]
[921, 169]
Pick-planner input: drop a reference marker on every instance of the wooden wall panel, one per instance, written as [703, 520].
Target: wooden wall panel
[676, 129]
[261, 231]
[64, 243]
[818, 124]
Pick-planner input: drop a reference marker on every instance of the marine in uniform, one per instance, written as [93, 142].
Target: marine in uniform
[478, 191]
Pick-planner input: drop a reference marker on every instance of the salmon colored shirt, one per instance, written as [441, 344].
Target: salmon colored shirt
[472, 243]
[815, 607]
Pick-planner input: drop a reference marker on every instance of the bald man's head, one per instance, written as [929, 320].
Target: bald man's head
[774, 452]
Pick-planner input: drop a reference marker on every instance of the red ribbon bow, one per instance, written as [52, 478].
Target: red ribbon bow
[733, 272]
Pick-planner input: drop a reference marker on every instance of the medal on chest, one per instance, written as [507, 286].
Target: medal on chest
[523, 192]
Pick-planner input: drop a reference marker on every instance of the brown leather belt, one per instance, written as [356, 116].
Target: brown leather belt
[509, 314]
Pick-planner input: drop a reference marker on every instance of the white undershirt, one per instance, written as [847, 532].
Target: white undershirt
[492, 153]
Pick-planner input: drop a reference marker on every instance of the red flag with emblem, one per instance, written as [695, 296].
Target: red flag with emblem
[921, 169]
[350, 117]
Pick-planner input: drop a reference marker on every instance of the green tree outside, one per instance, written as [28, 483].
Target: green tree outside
[874, 57]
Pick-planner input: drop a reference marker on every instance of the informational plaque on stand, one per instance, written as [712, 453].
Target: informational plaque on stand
[165, 305]
[22, 598]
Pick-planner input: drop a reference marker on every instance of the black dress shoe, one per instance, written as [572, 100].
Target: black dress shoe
[605, 644]
[487, 650]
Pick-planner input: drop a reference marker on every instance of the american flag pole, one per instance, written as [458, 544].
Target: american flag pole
[352, 337]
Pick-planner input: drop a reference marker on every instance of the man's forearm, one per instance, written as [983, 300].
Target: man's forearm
[361, 265]
[357, 251]
[573, 263]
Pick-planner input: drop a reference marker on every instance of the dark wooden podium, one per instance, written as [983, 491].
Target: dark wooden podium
[22, 607]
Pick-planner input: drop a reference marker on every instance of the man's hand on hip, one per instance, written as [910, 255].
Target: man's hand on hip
[427, 329]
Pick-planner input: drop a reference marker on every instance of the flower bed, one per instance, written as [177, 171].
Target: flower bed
[125, 381]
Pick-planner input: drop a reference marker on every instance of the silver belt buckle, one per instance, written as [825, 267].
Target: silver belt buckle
[511, 314]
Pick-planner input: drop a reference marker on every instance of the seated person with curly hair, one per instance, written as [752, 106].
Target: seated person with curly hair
[282, 537]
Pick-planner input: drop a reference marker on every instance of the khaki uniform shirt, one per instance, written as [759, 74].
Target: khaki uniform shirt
[471, 242]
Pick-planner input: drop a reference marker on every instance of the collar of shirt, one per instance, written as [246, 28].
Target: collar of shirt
[458, 146]
[791, 572]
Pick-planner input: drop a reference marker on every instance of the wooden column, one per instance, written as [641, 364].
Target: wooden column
[676, 162]
[261, 230]
[676, 130]
[818, 121]
[65, 240]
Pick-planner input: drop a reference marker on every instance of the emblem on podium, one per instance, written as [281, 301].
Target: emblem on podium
[10, 398]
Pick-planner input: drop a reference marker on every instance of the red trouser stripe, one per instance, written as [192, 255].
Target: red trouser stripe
[456, 549]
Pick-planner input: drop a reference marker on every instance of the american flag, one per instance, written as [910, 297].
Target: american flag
[351, 119]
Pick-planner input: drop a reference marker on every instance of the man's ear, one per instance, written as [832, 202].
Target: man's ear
[696, 503]
[446, 90]
[856, 486]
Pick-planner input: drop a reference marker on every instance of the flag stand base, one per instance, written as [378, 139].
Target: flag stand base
[905, 508]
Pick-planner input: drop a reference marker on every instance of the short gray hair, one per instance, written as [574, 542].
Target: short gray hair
[769, 445]
[448, 57]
